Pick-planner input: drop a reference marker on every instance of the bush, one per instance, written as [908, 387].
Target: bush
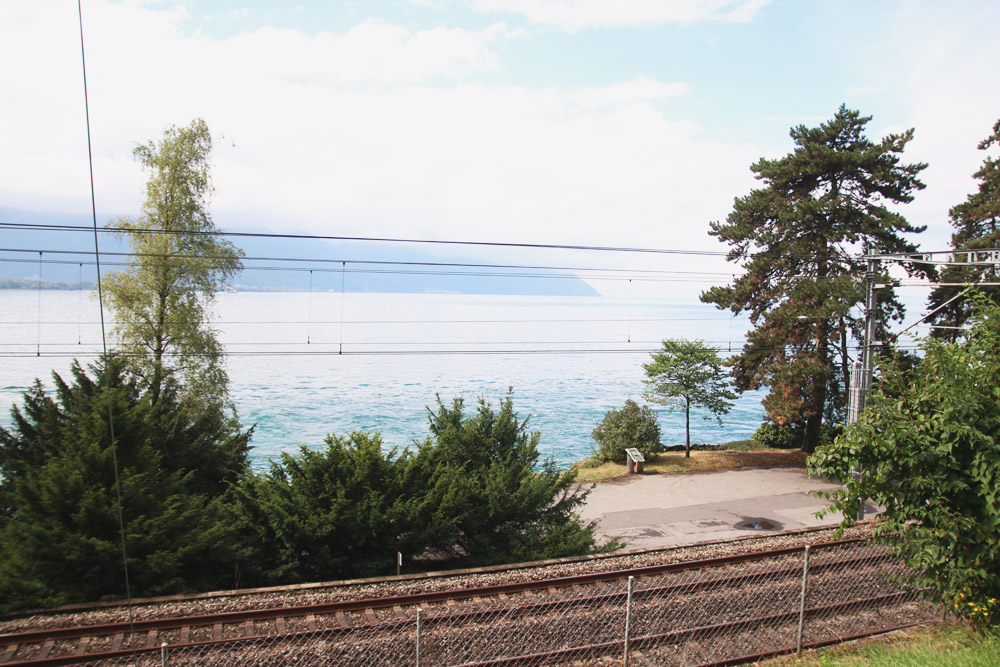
[791, 436]
[778, 437]
[929, 446]
[631, 426]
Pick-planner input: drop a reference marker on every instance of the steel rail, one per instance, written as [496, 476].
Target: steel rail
[171, 623]
[407, 626]
[79, 608]
[714, 584]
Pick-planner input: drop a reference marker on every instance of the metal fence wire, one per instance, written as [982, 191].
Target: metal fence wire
[694, 614]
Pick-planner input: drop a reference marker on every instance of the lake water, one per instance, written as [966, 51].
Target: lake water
[304, 365]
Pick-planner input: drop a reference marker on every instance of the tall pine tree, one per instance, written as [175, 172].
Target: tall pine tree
[799, 239]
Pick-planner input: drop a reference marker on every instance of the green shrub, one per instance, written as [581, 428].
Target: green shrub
[631, 426]
[778, 437]
[928, 442]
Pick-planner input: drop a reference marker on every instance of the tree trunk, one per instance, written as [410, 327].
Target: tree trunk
[687, 427]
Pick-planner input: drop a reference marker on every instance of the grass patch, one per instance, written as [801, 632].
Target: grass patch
[943, 644]
[705, 460]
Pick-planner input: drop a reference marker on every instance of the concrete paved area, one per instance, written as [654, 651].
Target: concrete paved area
[661, 510]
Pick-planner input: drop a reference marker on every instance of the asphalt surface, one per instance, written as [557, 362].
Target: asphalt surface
[650, 511]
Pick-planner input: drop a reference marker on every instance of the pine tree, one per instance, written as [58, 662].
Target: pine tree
[60, 536]
[799, 239]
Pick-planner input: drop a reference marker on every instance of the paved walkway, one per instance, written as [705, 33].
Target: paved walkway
[660, 510]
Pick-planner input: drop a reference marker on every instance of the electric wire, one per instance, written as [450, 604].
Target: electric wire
[104, 341]
[373, 239]
[326, 260]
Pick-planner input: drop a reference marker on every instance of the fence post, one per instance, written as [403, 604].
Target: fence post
[628, 619]
[164, 660]
[420, 639]
[802, 600]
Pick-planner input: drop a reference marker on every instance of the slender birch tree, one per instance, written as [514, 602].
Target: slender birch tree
[178, 261]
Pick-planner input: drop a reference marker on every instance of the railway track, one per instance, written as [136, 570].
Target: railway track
[720, 595]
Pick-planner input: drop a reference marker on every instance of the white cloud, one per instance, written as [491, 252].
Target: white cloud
[579, 14]
[640, 90]
[370, 132]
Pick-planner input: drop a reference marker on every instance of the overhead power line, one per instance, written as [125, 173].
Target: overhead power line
[375, 239]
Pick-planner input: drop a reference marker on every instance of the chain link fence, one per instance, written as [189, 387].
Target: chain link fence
[710, 612]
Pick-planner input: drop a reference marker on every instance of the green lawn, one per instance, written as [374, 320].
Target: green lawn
[672, 463]
[940, 645]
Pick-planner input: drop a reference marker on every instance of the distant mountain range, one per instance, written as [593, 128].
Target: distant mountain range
[272, 264]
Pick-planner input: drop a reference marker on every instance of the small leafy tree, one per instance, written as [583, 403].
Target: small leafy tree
[929, 445]
[631, 426]
[688, 374]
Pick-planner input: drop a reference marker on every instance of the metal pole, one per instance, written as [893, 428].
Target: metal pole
[164, 659]
[871, 303]
[802, 600]
[628, 619]
[420, 642]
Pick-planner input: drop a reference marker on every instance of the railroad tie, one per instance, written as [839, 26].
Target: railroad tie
[46, 648]
[8, 654]
[186, 634]
[370, 615]
[81, 647]
[280, 625]
[249, 628]
[311, 622]
[342, 619]
[400, 614]
[116, 643]
[151, 639]
[217, 631]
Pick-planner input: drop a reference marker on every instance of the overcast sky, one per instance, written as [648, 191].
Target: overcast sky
[624, 123]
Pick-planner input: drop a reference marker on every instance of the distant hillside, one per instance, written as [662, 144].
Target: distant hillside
[67, 261]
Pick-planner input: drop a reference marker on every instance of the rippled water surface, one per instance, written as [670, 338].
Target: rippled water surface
[302, 366]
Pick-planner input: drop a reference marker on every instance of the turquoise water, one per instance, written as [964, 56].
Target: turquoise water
[305, 365]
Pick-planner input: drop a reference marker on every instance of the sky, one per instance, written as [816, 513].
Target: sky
[629, 123]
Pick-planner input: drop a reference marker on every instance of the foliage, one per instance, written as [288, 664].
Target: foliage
[469, 490]
[631, 426]
[929, 447]
[686, 374]
[341, 512]
[162, 301]
[797, 238]
[60, 538]
[790, 436]
[778, 437]
[977, 226]
[480, 474]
